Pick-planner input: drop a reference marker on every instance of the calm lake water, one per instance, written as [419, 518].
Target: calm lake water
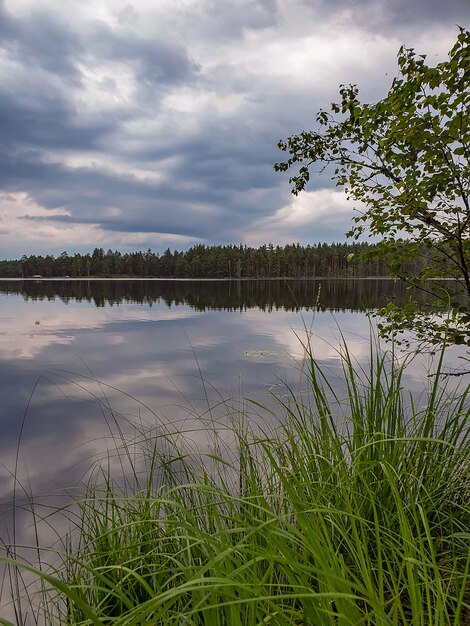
[157, 352]
[175, 347]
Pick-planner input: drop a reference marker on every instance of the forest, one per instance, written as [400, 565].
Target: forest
[268, 261]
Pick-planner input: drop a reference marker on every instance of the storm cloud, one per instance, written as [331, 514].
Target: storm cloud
[132, 124]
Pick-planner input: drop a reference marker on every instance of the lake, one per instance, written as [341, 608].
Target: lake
[81, 359]
[158, 350]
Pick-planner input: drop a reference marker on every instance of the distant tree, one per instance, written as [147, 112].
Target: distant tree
[200, 261]
[97, 259]
[77, 265]
[405, 159]
[24, 267]
[87, 264]
[107, 266]
[167, 264]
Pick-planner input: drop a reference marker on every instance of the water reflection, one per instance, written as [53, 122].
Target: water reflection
[77, 355]
[229, 295]
[174, 346]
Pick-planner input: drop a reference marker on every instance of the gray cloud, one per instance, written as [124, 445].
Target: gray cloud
[399, 13]
[389, 16]
[173, 129]
[42, 39]
[47, 121]
[197, 207]
[235, 20]
[157, 62]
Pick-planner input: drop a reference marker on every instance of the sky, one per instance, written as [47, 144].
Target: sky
[135, 124]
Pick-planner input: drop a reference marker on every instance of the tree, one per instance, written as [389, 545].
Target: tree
[405, 159]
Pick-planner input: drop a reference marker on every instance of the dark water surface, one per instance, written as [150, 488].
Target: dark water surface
[175, 347]
[156, 352]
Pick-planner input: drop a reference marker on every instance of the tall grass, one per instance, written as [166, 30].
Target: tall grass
[354, 509]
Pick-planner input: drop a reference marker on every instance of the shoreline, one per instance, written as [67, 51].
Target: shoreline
[153, 278]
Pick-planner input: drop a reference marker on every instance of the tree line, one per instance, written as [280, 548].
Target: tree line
[201, 261]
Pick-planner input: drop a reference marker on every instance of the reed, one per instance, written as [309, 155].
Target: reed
[352, 508]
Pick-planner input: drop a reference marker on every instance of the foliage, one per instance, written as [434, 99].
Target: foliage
[405, 160]
[353, 510]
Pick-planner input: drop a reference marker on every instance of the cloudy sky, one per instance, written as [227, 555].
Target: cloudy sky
[131, 124]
